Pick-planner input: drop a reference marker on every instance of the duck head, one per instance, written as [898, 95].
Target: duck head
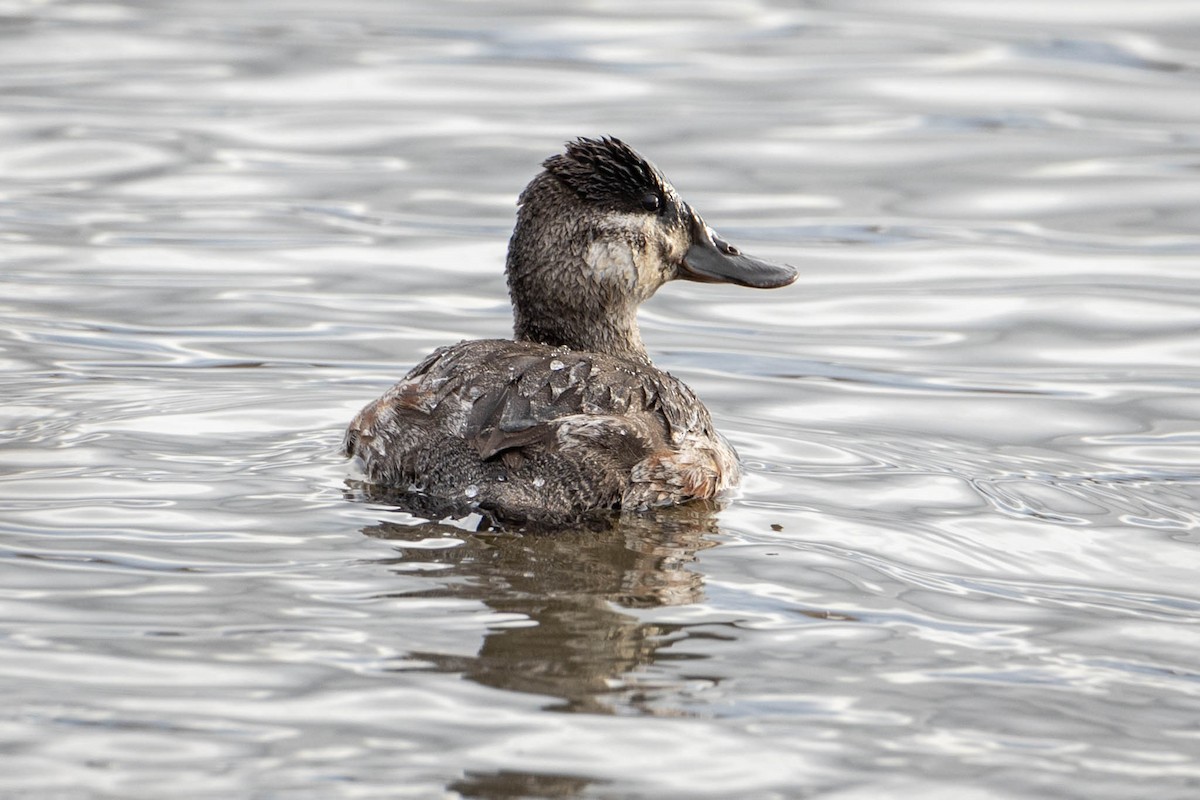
[598, 231]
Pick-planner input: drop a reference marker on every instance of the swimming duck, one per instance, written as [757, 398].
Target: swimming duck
[569, 418]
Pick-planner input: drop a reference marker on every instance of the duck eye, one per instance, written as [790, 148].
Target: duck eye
[651, 202]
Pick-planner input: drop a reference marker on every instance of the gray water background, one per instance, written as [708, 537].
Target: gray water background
[965, 561]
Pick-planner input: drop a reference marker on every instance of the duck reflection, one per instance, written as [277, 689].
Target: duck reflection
[567, 589]
[504, 784]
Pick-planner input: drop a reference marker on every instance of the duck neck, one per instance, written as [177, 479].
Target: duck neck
[605, 332]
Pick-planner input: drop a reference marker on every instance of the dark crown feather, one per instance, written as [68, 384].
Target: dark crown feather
[606, 170]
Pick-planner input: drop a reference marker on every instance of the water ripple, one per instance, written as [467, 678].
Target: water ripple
[963, 559]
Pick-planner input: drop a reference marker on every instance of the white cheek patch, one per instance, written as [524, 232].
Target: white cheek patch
[612, 262]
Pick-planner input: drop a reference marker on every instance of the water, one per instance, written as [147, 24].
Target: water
[963, 563]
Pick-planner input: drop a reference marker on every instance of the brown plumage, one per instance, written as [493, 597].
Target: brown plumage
[570, 419]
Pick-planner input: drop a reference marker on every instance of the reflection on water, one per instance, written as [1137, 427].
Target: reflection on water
[963, 561]
[562, 593]
[506, 784]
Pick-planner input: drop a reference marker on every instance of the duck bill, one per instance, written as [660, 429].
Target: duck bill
[711, 259]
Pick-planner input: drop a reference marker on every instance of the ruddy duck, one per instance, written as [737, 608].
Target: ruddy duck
[570, 418]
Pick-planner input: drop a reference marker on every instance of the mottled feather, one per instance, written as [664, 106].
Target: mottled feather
[487, 420]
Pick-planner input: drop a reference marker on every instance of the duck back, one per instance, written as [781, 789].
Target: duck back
[528, 432]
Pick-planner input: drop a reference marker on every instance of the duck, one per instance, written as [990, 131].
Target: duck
[570, 418]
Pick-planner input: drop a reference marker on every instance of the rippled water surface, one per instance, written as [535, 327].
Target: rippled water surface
[964, 562]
